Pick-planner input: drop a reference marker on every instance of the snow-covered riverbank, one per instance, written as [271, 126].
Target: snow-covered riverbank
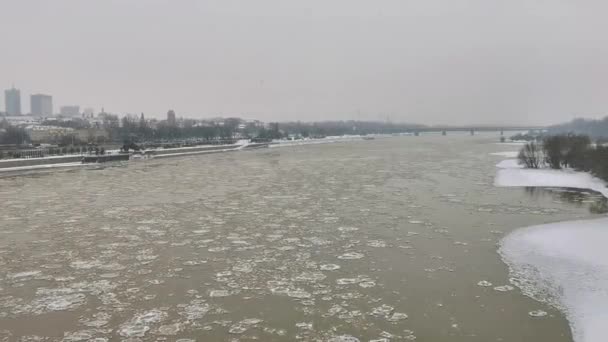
[511, 174]
[564, 264]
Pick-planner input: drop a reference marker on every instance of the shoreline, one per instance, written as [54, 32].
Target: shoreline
[563, 264]
[74, 161]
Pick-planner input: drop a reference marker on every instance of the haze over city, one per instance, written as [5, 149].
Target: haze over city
[431, 62]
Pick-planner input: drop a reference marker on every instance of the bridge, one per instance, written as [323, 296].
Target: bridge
[472, 129]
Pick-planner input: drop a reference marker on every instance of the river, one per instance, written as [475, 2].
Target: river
[387, 239]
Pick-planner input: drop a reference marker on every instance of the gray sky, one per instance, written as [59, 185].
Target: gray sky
[425, 61]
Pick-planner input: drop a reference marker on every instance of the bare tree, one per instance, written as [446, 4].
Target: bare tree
[531, 156]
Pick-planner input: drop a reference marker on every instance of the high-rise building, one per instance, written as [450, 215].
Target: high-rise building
[70, 111]
[12, 101]
[171, 121]
[41, 105]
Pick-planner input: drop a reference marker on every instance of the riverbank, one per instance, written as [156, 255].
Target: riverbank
[65, 161]
[49, 162]
[565, 265]
[511, 174]
[562, 264]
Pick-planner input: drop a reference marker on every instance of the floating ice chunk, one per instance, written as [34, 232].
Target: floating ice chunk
[376, 243]
[99, 320]
[329, 267]
[243, 267]
[310, 277]
[343, 338]
[21, 275]
[82, 335]
[537, 313]
[383, 311]
[504, 288]
[196, 310]
[397, 316]
[367, 284]
[170, 329]
[346, 281]
[219, 293]
[194, 262]
[298, 293]
[85, 264]
[484, 283]
[140, 324]
[566, 265]
[58, 301]
[251, 321]
[244, 325]
[304, 326]
[317, 241]
[351, 256]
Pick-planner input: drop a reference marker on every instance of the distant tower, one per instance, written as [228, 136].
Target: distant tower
[41, 105]
[12, 101]
[171, 118]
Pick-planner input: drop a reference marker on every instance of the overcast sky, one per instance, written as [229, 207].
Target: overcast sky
[424, 61]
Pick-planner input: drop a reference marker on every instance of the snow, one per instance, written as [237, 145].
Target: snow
[513, 177]
[509, 164]
[43, 158]
[507, 154]
[41, 167]
[512, 143]
[566, 265]
[511, 174]
[192, 153]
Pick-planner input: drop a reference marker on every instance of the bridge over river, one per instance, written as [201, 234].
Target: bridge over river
[472, 129]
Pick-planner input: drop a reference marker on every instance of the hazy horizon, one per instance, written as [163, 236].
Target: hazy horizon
[432, 62]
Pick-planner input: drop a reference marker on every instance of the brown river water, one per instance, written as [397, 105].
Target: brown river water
[391, 239]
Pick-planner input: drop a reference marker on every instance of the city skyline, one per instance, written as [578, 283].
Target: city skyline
[435, 62]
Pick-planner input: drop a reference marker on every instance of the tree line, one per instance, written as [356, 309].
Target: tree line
[574, 151]
[595, 129]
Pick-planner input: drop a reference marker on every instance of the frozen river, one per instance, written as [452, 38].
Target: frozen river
[390, 239]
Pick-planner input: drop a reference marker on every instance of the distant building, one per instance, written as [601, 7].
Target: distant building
[171, 121]
[47, 134]
[12, 101]
[41, 105]
[88, 112]
[70, 111]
